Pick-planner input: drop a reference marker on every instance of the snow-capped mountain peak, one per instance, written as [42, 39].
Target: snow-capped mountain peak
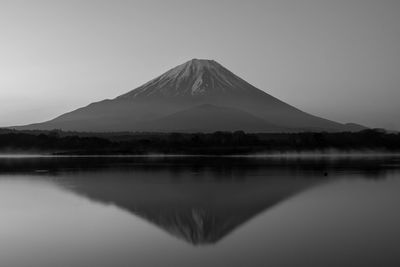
[193, 78]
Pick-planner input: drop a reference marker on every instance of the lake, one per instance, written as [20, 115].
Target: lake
[199, 211]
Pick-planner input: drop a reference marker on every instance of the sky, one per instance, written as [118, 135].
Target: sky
[336, 59]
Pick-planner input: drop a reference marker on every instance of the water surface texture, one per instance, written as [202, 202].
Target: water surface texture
[199, 211]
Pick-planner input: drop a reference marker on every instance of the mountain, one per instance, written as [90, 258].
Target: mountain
[199, 95]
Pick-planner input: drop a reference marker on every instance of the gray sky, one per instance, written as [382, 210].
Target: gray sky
[335, 59]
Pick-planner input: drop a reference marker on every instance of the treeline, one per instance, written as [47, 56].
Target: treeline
[49, 142]
[237, 142]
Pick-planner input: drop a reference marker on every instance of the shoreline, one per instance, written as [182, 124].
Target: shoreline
[355, 154]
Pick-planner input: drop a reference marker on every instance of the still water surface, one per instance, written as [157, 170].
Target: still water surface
[61, 212]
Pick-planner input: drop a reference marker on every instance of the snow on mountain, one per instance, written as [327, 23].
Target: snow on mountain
[193, 78]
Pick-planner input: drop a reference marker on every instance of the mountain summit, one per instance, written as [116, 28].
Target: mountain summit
[197, 96]
[194, 78]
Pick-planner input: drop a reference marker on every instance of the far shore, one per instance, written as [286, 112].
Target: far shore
[305, 154]
[366, 143]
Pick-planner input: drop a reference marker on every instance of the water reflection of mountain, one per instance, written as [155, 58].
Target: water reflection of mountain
[200, 212]
[199, 200]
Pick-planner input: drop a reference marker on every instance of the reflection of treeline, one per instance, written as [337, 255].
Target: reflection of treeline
[195, 143]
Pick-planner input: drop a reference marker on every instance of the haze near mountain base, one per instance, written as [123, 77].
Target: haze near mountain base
[197, 96]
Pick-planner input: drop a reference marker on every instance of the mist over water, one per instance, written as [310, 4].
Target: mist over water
[192, 211]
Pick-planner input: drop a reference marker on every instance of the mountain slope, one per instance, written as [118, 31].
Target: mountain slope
[192, 84]
[209, 118]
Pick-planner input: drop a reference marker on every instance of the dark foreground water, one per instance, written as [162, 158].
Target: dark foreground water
[62, 212]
